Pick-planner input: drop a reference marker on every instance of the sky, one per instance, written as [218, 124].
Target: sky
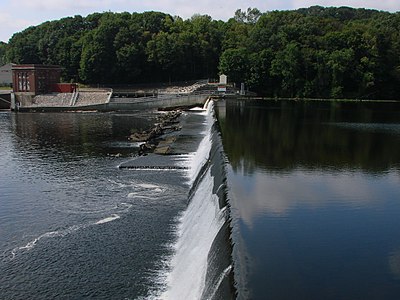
[16, 15]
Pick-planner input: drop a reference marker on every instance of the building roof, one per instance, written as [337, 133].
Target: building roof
[7, 66]
[35, 67]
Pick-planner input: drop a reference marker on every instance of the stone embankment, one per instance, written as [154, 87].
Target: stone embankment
[63, 100]
[91, 98]
[182, 89]
[50, 100]
[153, 140]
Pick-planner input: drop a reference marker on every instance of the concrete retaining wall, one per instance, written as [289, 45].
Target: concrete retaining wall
[154, 103]
[102, 102]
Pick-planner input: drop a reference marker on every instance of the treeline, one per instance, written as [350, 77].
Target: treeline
[320, 53]
[123, 47]
[315, 52]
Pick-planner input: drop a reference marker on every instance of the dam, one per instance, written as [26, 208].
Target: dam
[118, 99]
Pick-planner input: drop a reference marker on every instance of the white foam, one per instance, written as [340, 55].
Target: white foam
[221, 277]
[118, 184]
[197, 109]
[148, 186]
[32, 244]
[147, 191]
[63, 232]
[200, 157]
[51, 234]
[123, 207]
[108, 219]
[139, 196]
[197, 229]
[206, 104]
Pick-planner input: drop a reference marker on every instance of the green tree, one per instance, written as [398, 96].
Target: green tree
[341, 64]
[3, 50]
[286, 66]
[259, 78]
[235, 64]
[250, 16]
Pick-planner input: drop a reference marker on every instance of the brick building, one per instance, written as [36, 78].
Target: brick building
[35, 79]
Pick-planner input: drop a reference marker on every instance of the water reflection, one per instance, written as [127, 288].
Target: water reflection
[314, 193]
[394, 263]
[74, 135]
[285, 135]
[277, 195]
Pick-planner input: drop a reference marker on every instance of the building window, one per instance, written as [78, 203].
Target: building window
[24, 85]
[23, 82]
[28, 83]
[19, 81]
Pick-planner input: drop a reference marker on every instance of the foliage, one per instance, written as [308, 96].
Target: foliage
[3, 49]
[312, 52]
[322, 53]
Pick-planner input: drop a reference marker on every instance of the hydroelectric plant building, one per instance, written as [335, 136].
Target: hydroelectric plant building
[35, 79]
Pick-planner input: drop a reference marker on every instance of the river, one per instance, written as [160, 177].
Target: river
[264, 200]
[314, 191]
[74, 225]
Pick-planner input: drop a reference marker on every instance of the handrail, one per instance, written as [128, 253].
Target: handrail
[109, 96]
[4, 100]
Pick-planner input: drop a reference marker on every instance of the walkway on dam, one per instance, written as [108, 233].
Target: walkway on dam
[110, 100]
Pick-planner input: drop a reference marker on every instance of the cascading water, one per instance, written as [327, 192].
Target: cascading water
[201, 267]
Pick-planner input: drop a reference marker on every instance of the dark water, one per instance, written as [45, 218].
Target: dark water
[315, 198]
[73, 225]
[314, 193]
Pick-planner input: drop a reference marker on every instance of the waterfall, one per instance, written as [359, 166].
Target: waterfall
[201, 266]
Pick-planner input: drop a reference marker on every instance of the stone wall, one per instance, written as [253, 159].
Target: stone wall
[52, 100]
[90, 98]
[61, 101]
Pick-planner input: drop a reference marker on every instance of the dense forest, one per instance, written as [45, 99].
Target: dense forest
[3, 49]
[313, 52]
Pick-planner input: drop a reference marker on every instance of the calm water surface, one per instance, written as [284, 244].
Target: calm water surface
[315, 198]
